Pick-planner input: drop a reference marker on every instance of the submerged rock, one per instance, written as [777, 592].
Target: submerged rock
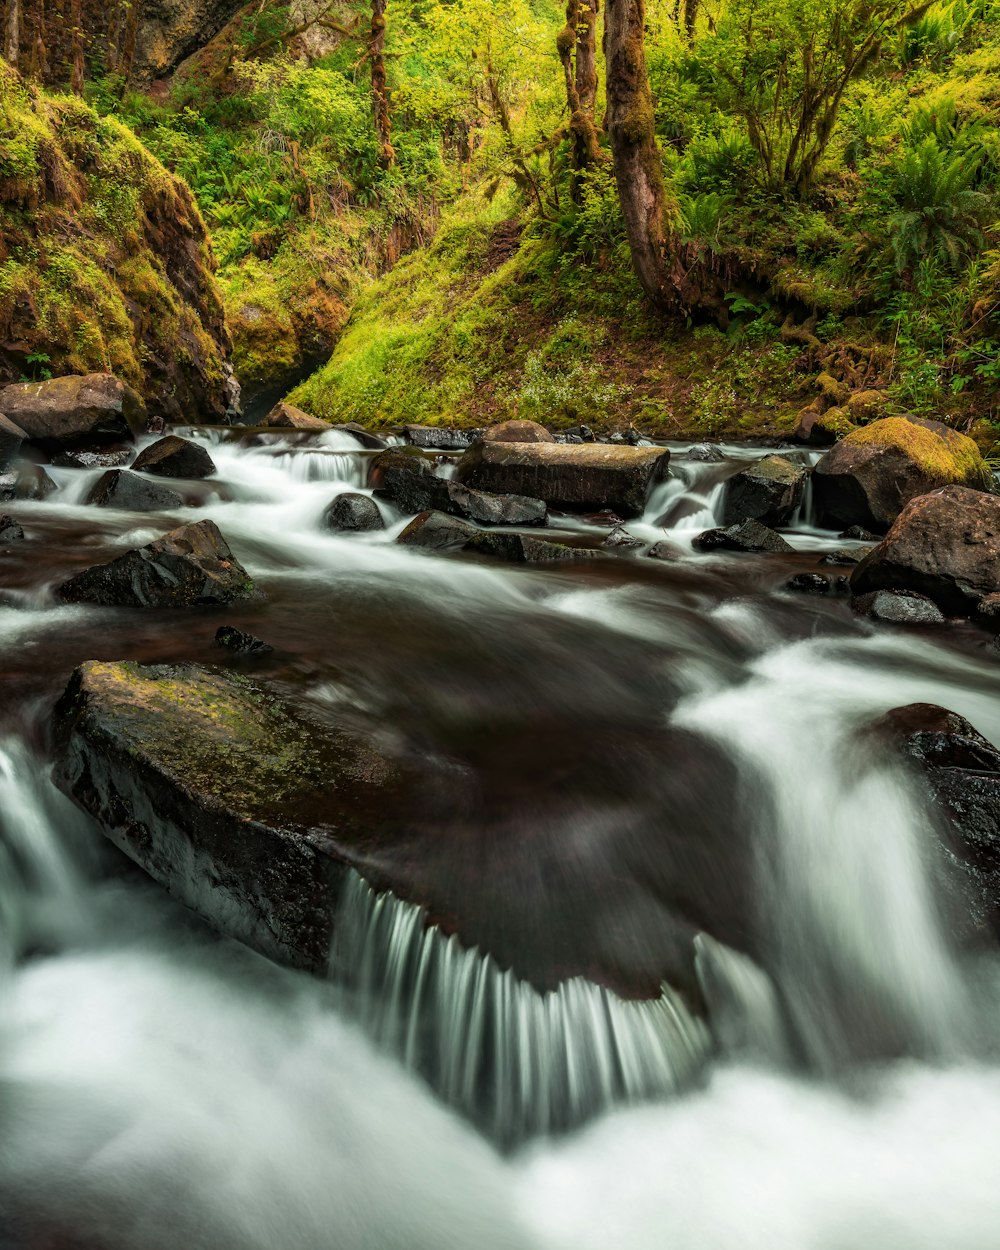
[768, 491]
[437, 531]
[287, 417]
[366, 438]
[11, 438]
[190, 566]
[748, 536]
[240, 643]
[119, 488]
[585, 478]
[174, 456]
[64, 412]
[620, 540]
[111, 457]
[30, 482]
[870, 476]
[945, 545]
[353, 513]
[10, 530]
[522, 549]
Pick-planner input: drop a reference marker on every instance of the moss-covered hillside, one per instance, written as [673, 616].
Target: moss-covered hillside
[105, 264]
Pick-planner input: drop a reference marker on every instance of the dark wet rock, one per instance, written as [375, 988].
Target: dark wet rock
[841, 558]
[437, 531]
[588, 478]
[11, 438]
[29, 482]
[287, 417]
[818, 428]
[859, 534]
[10, 530]
[64, 412]
[960, 772]
[367, 438]
[605, 519]
[434, 438]
[768, 491]
[523, 549]
[573, 439]
[353, 513]
[118, 488]
[251, 810]
[94, 458]
[239, 642]
[870, 476]
[621, 541]
[810, 584]
[405, 477]
[748, 536]
[490, 509]
[583, 432]
[988, 611]
[517, 432]
[190, 566]
[898, 607]
[705, 453]
[174, 456]
[945, 545]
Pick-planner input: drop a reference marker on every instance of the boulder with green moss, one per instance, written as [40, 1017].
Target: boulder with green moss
[870, 476]
[106, 263]
[226, 796]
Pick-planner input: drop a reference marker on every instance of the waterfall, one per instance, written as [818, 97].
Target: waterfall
[518, 1062]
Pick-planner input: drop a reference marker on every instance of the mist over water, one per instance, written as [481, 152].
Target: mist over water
[163, 1088]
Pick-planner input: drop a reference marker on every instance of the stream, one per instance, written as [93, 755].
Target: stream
[165, 1089]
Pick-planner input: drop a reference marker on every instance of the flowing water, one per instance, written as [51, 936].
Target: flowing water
[162, 1088]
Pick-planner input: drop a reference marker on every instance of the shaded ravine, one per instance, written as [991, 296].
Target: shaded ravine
[161, 1087]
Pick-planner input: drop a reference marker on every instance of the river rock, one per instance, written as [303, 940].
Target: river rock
[11, 438]
[586, 478]
[843, 557]
[63, 412]
[10, 530]
[435, 438]
[768, 491]
[523, 549]
[437, 531]
[190, 566]
[110, 457]
[810, 584]
[29, 482]
[174, 456]
[620, 541]
[960, 771]
[705, 453]
[353, 513]
[518, 432]
[859, 534]
[406, 478]
[748, 536]
[945, 545]
[287, 417]
[869, 477]
[119, 488]
[239, 642]
[490, 509]
[898, 607]
[251, 809]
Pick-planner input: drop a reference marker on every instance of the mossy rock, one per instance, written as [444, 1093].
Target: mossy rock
[869, 477]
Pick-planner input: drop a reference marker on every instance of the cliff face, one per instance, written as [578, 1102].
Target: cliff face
[170, 30]
[105, 264]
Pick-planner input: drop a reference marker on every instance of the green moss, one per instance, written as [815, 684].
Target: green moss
[948, 457]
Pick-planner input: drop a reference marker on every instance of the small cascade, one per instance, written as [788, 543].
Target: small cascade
[516, 1061]
[690, 499]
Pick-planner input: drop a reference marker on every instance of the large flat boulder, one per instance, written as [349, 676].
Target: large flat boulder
[64, 412]
[870, 476]
[945, 545]
[190, 566]
[575, 478]
[250, 808]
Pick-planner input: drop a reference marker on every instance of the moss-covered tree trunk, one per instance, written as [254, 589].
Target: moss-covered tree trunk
[380, 93]
[578, 52]
[638, 165]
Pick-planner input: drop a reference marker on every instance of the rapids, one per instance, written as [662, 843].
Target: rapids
[162, 1088]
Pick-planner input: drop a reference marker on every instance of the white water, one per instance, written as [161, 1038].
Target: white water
[161, 1089]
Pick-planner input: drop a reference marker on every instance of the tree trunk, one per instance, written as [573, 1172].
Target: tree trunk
[380, 94]
[690, 16]
[577, 45]
[12, 33]
[637, 161]
[77, 65]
